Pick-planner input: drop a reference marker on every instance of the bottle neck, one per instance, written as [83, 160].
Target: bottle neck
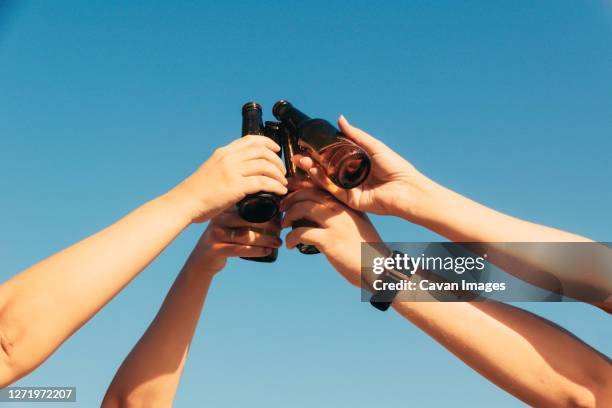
[273, 131]
[292, 116]
[290, 148]
[252, 122]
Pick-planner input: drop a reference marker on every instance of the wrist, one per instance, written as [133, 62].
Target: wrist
[167, 209]
[202, 268]
[420, 201]
[449, 214]
[432, 202]
[182, 204]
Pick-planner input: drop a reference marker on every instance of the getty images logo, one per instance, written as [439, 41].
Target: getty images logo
[411, 264]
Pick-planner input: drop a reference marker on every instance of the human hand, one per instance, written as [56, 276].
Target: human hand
[340, 230]
[394, 186]
[245, 166]
[228, 235]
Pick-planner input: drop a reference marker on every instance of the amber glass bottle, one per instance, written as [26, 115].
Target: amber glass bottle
[344, 162]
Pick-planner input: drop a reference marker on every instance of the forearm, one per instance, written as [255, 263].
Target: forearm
[150, 374]
[42, 306]
[511, 348]
[463, 220]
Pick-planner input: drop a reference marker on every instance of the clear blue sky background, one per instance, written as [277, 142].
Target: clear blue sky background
[104, 105]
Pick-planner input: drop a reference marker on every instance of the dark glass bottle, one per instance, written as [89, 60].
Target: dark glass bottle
[344, 162]
[262, 206]
[296, 177]
[271, 130]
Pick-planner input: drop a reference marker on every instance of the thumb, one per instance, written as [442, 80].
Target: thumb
[319, 178]
[369, 143]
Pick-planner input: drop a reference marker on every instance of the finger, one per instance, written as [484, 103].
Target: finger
[247, 236]
[229, 210]
[231, 219]
[263, 183]
[319, 178]
[251, 153]
[305, 194]
[262, 167]
[309, 210]
[369, 143]
[303, 162]
[250, 236]
[232, 250]
[298, 183]
[307, 236]
[255, 140]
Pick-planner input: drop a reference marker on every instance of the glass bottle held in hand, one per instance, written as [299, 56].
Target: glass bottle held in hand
[297, 178]
[262, 206]
[346, 164]
[271, 130]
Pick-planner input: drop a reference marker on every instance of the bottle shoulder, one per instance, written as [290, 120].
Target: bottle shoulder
[316, 125]
[314, 121]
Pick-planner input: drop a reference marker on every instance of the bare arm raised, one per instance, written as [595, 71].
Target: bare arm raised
[396, 188]
[43, 305]
[150, 374]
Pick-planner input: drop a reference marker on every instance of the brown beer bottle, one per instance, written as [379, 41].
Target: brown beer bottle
[345, 163]
[271, 130]
[262, 206]
[296, 177]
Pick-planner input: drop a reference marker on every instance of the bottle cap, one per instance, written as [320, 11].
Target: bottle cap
[278, 106]
[249, 106]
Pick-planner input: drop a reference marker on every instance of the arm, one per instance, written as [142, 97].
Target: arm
[396, 188]
[45, 304]
[150, 374]
[511, 347]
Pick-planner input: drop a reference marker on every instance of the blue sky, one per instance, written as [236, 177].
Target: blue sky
[104, 105]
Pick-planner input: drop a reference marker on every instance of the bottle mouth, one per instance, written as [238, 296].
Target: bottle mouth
[278, 107]
[308, 249]
[352, 170]
[259, 208]
[249, 106]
